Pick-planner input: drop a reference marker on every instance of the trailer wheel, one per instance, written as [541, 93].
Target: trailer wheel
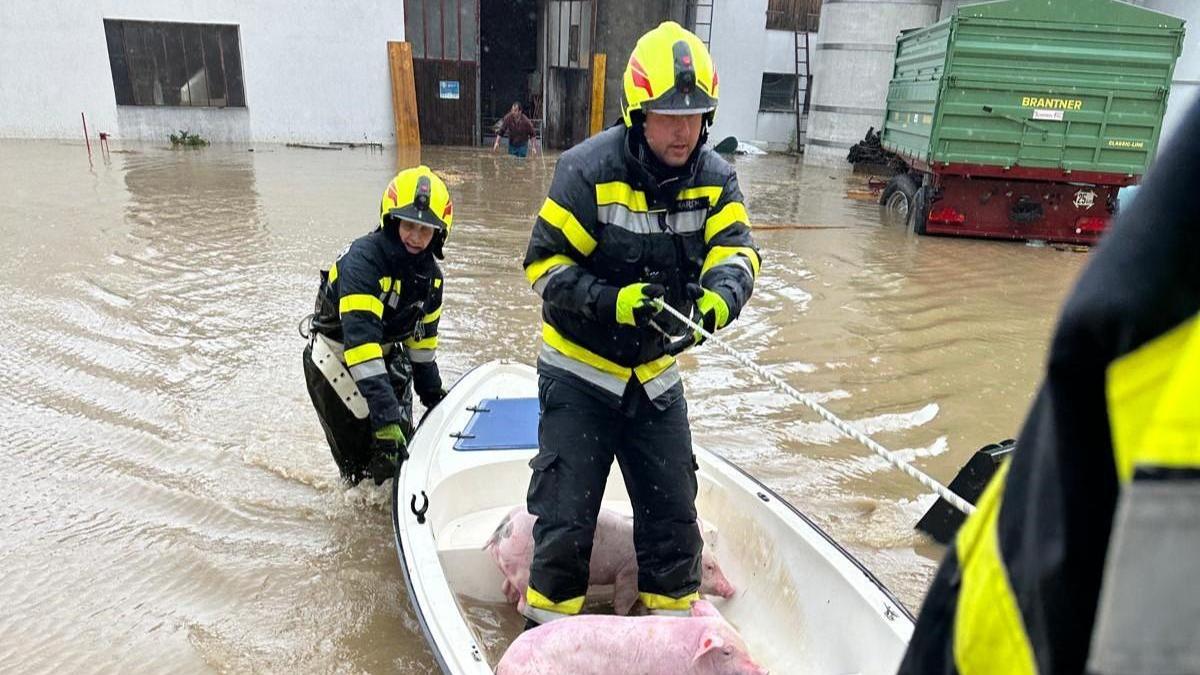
[898, 195]
[920, 209]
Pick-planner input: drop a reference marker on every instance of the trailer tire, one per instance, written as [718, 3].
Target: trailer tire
[898, 195]
[920, 208]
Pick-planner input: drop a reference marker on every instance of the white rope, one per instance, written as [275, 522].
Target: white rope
[842, 426]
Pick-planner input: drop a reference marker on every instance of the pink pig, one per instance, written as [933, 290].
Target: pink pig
[613, 559]
[702, 644]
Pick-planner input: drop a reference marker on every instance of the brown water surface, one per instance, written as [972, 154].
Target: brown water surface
[170, 503]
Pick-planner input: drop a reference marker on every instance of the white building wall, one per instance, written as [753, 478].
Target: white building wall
[312, 70]
[779, 56]
[744, 49]
[738, 47]
[777, 130]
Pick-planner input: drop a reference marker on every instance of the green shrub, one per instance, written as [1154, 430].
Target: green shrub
[187, 139]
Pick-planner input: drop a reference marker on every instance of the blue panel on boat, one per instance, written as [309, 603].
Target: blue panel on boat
[501, 424]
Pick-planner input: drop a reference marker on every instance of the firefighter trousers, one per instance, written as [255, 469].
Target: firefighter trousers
[578, 437]
[349, 437]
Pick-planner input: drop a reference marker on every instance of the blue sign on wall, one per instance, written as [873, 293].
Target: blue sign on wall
[448, 89]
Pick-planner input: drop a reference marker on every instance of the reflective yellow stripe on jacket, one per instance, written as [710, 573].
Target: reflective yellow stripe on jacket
[729, 255]
[733, 212]
[559, 217]
[424, 343]
[363, 352]
[361, 303]
[989, 633]
[1154, 403]
[656, 377]
[538, 269]
[621, 193]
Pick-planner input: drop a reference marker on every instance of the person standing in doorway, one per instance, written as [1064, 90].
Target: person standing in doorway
[638, 215]
[374, 333]
[519, 130]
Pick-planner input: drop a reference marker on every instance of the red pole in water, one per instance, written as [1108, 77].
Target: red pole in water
[86, 139]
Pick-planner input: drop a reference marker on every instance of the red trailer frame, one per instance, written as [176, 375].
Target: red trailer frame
[995, 202]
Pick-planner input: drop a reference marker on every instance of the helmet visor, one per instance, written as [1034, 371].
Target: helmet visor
[675, 103]
[411, 213]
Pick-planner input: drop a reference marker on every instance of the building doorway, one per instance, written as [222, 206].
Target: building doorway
[509, 72]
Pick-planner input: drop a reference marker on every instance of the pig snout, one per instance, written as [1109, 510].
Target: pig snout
[712, 580]
[745, 667]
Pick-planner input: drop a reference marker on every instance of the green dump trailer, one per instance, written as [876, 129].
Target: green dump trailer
[1021, 119]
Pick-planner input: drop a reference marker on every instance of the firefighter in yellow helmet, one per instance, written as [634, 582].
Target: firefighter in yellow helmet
[374, 331]
[639, 214]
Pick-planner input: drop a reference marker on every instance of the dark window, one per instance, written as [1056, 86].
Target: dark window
[573, 45]
[175, 64]
[801, 15]
[442, 30]
[778, 92]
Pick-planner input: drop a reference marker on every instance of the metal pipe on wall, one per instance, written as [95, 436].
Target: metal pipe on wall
[478, 70]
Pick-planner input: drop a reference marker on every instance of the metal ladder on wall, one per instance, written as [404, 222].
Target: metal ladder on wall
[699, 17]
[803, 81]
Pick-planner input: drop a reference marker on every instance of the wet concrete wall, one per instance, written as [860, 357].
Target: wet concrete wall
[313, 71]
[744, 50]
[618, 27]
[739, 47]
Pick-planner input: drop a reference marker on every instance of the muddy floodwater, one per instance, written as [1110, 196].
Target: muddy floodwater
[170, 503]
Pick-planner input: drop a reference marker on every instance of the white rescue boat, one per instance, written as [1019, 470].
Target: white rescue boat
[803, 603]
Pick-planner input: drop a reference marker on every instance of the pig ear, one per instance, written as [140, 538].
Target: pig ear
[709, 641]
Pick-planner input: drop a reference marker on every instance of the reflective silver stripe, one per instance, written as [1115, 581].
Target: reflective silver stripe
[671, 612]
[739, 261]
[616, 386]
[665, 380]
[686, 222]
[641, 222]
[610, 383]
[543, 615]
[539, 286]
[366, 369]
[618, 215]
[422, 355]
